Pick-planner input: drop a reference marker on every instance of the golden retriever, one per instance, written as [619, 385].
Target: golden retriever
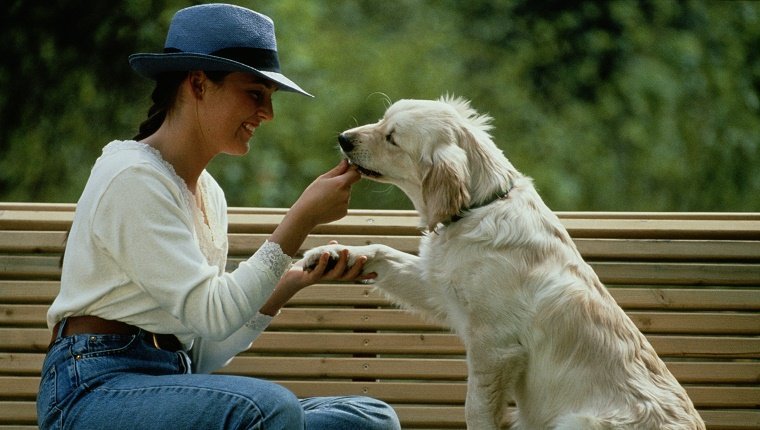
[498, 267]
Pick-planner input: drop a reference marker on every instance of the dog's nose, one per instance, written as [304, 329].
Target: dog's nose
[345, 143]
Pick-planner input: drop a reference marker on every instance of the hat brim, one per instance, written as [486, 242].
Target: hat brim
[151, 65]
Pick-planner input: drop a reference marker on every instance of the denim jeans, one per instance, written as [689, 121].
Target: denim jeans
[123, 382]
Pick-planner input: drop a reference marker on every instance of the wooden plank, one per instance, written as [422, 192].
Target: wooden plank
[723, 347]
[334, 367]
[437, 368]
[24, 414]
[413, 416]
[659, 273]
[434, 368]
[453, 417]
[731, 419]
[417, 392]
[392, 319]
[43, 206]
[638, 273]
[687, 298]
[746, 323]
[724, 216]
[436, 416]
[724, 396]
[18, 412]
[21, 364]
[405, 223]
[12, 241]
[35, 220]
[33, 292]
[244, 244]
[611, 273]
[703, 298]
[668, 249]
[19, 387]
[714, 229]
[30, 266]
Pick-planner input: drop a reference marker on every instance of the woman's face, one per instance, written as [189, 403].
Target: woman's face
[234, 108]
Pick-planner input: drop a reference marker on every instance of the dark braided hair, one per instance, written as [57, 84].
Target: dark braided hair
[164, 95]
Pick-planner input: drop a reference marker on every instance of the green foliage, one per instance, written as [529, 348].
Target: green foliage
[608, 105]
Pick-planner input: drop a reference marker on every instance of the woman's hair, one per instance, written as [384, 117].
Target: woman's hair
[164, 95]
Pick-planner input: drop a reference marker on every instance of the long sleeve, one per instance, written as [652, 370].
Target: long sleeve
[155, 248]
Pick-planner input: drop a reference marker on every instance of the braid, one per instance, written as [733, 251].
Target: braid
[163, 97]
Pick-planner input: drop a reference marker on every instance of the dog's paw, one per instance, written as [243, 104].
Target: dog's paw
[312, 256]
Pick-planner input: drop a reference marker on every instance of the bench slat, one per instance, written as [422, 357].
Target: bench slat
[37, 339]
[718, 372]
[43, 292]
[610, 273]
[411, 416]
[395, 319]
[411, 392]
[594, 248]
[45, 206]
[385, 224]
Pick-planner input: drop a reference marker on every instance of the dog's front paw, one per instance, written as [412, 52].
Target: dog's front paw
[312, 256]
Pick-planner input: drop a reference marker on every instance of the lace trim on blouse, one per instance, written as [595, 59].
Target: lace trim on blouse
[212, 236]
[271, 256]
[259, 322]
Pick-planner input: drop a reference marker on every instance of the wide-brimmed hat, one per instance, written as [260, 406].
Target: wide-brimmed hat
[218, 37]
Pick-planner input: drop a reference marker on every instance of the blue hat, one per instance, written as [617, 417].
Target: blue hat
[218, 37]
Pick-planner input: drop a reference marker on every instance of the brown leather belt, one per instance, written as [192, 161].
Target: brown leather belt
[89, 324]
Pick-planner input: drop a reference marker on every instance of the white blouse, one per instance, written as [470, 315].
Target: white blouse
[141, 251]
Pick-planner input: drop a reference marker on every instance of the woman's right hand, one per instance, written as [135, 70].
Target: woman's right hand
[326, 199]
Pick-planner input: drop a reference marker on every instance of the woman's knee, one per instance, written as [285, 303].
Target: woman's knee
[349, 412]
[383, 416]
[277, 408]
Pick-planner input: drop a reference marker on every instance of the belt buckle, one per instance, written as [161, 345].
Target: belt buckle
[155, 341]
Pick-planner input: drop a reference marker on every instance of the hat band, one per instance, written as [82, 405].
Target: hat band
[262, 59]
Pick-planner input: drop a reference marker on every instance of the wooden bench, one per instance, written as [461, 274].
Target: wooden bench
[690, 281]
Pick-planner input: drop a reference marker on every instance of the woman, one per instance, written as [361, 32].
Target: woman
[146, 309]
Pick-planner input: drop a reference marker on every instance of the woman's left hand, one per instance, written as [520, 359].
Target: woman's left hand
[297, 278]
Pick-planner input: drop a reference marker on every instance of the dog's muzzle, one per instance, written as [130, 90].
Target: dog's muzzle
[346, 143]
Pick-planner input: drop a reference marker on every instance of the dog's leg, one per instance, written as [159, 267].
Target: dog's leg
[492, 374]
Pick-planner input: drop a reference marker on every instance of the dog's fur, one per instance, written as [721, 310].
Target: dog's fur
[537, 324]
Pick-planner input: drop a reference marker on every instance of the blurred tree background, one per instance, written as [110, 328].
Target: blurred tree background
[640, 105]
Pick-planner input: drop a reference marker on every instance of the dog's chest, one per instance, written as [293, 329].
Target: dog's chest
[455, 271]
[473, 283]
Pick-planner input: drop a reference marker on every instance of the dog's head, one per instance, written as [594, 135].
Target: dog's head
[438, 152]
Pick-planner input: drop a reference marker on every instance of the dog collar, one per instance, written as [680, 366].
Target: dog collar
[499, 195]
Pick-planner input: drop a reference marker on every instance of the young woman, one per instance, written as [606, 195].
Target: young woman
[146, 309]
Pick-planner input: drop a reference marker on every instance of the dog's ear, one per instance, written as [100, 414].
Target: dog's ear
[444, 186]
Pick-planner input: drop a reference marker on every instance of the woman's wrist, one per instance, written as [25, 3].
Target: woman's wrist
[291, 232]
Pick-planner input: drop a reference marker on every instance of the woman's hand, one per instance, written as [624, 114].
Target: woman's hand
[325, 200]
[295, 279]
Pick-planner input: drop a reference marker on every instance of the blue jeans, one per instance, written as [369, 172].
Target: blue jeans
[123, 382]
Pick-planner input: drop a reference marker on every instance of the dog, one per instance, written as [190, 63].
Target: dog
[497, 266]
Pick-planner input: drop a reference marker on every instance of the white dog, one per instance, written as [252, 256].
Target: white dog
[498, 267]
